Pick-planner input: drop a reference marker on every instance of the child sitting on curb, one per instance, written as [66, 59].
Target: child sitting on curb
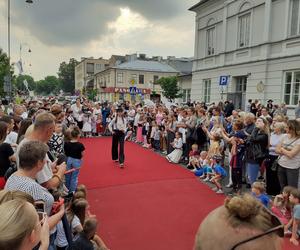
[258, 191]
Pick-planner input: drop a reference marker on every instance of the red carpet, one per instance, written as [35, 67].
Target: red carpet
[151, 204]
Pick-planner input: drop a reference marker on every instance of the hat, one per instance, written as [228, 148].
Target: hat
[270, 100]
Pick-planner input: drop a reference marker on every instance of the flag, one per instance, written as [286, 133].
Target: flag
[20, 67]
[25, 84]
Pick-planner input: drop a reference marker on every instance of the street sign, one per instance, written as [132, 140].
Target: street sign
[223, 81]
[132, 90]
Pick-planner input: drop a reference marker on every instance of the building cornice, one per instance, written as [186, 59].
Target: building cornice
[248, 62]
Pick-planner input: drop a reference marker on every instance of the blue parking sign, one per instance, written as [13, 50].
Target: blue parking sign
[223, 80]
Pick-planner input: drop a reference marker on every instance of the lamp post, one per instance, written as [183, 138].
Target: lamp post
[8, 45]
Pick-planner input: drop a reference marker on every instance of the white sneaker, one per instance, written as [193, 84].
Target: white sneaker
[215, 189]
[206, 179]
[220, 191]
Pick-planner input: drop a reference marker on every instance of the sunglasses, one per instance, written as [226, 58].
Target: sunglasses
[278, 229]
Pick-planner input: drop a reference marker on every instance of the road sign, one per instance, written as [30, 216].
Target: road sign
[132, 90]
[223, 81]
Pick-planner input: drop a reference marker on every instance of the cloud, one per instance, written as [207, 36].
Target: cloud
[60, 29]
[71, 22]
[64, 23]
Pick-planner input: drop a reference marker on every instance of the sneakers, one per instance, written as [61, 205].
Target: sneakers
[121, 165]
[215, 189]
[220, 191]
[229, 185]
[206, 179]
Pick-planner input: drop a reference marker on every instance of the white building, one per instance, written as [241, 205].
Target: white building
[85, 70]
[254, 42]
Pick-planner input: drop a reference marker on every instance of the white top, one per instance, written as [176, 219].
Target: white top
[11, 138]
[76, 111]
[178, 143]
[286, 162]
[136, 119]
[46, 173]
[61, 239]
[274, 141]
[118, 123]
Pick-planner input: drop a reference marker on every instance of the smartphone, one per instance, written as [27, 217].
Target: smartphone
[41, 215]
[40, 206]
[60, 159]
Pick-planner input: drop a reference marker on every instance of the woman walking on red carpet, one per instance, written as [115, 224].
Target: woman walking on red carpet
[118, 127]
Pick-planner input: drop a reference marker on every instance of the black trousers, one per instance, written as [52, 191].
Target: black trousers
[288, 177]
[272, 182]
[117, 150]
[237, 178]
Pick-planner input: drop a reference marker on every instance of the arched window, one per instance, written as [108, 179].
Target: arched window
[210, 37]
[244, 25]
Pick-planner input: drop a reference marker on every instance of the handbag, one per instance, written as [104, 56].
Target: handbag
[274, 165]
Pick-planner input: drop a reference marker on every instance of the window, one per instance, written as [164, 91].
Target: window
[155, 79]
[98, 67]
[210, 41]
[141, 79]
[244, 30]
[133, 79]
[186, 95]
[241, 84]
[108, 79]
[120, 77]
[90, 68]
[292, 87]
[295, 18]
[207, 90]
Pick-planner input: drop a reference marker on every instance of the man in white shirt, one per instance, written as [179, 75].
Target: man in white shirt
[51, 175]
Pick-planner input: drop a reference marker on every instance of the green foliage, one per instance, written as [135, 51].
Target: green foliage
[91, 94]
[66, 74]
[19, 82]
[49, 85]
[170, 87]
[4, 69]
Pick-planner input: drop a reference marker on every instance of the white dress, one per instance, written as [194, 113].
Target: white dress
[176, 154]
[87, 124]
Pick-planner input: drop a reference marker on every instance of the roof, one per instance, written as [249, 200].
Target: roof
[147, 66]
[184, 67]
[198, 4]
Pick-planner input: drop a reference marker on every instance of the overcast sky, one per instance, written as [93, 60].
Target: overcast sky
[57, 30]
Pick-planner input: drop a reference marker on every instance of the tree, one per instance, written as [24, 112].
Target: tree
[4, 70]
[49, 85]
[170, 87]
[19, 83]
[66, 74]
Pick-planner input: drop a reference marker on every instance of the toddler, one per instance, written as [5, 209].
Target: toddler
[74, 153]
[258, 191]
[218, 174]
[177, 144]
[194, 163]
[282, 206]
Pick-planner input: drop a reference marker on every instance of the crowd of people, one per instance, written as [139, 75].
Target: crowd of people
[42, 205]
[41, 157]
